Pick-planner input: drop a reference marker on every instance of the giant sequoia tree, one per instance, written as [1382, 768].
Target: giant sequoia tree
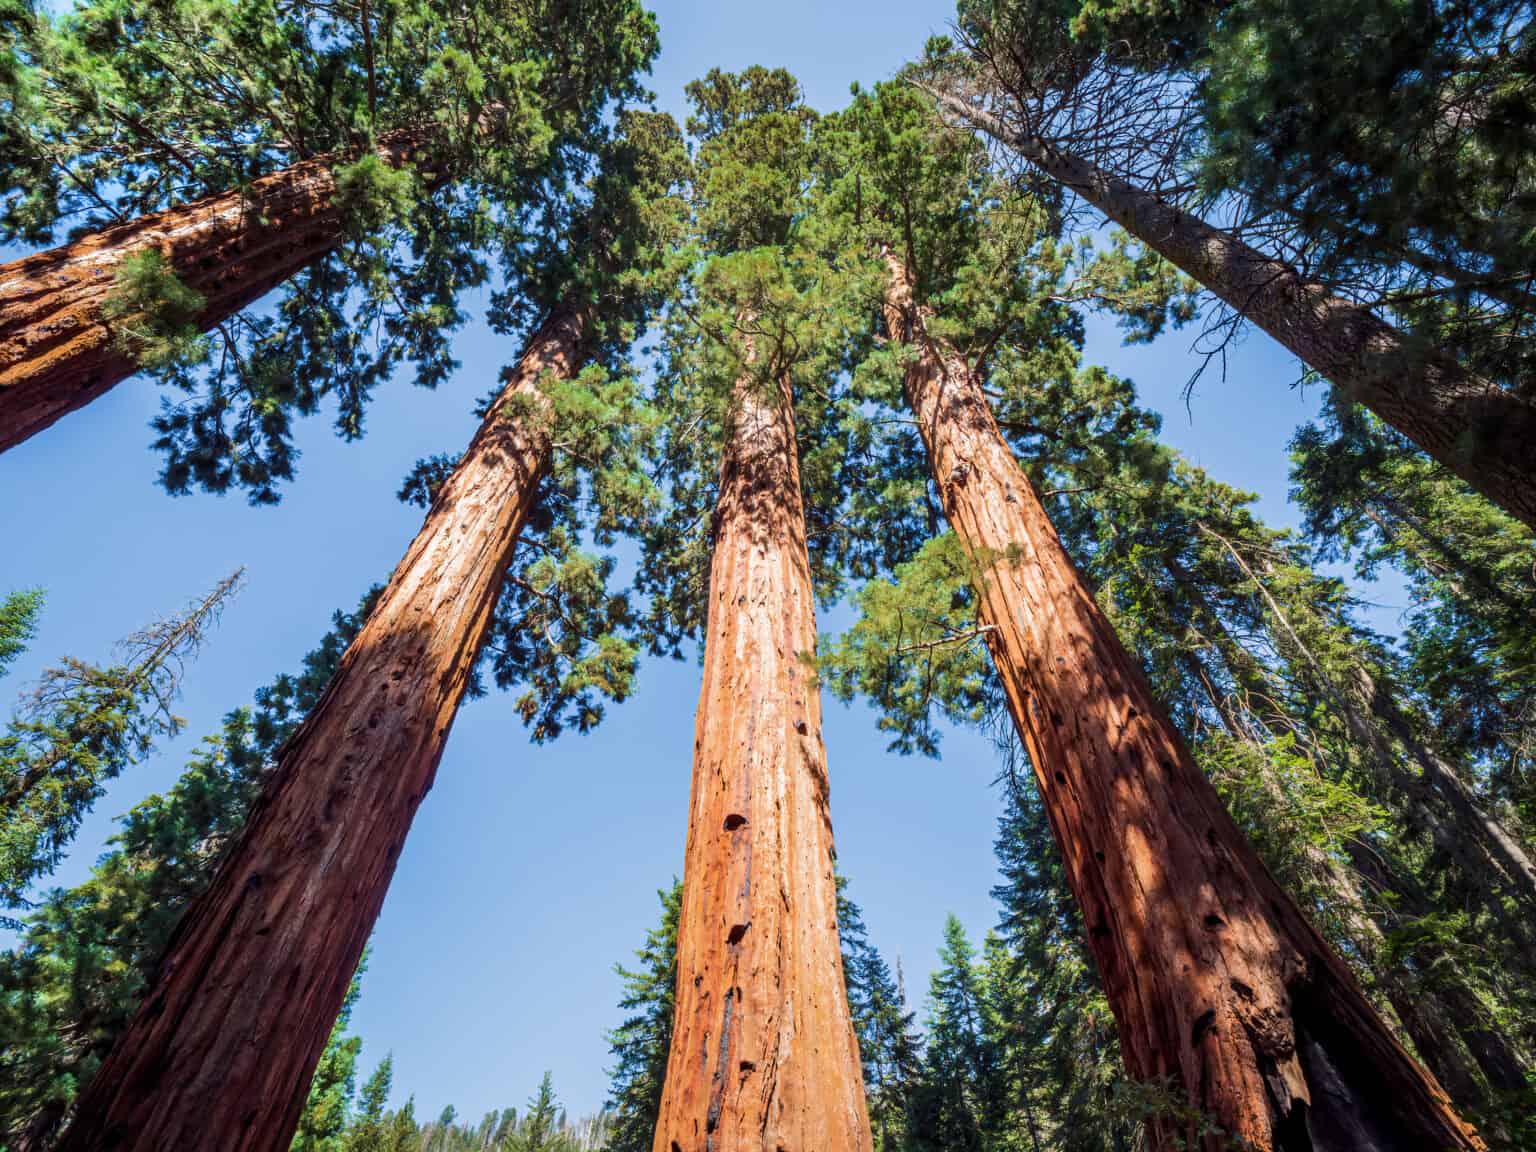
[370, 149]
[267, 950]
[759, 970]
[1218, 981]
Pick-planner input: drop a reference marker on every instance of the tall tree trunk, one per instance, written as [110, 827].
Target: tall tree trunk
[221, 1051]
[58, 352]
[1480, 431]
[1218, 982]
[764, 1056]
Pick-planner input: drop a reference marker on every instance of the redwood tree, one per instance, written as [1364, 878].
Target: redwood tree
[366, 160]
[763, 1051]
[1221, 987]
[221, 1051]
[77, 320]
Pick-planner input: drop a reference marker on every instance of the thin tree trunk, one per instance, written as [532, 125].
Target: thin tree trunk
[223, 1047]
[1218, 983]
[1490, 860]
[58, 352]
[764, 1057]
[1480, 431]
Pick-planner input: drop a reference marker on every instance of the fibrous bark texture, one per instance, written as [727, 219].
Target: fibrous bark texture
[57, 350]
[1480, 431]
[1219, 985]
[222, 1049]
[763, 1056]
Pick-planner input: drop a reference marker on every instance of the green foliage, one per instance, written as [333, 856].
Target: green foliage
[759, 310]
[153, 314]
[373, 196]
[122, 107]
[369, 1130]
[890, 1049]
[81, 727]
[916, 650]
[1469, 636]
[559, 631]
[1386, 147]
[18, 624]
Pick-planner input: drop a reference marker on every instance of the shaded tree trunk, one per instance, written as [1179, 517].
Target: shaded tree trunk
[1424, 1013]
[58, 352]
[222, 1049]
[1451, 1029]
[1218, 983]
[764, 1055]
[1489, 860]
[1480, 431]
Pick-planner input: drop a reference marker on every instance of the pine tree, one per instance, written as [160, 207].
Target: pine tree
[889, 1045]
[957, 1106]
[540, 1129]
[640, 1044]
[324, 1121]
[18, 624]
[369, 1130]
[71, 985]
[1468, 635]
[81, 727]
[1111, 767]
[1057, 1047]
[1475, 427]
[409, 680]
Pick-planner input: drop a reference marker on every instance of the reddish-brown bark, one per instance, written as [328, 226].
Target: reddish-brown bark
[57, 351]
[221, 1051]
[1476, 429]
[763, 1054]
[1218, 983]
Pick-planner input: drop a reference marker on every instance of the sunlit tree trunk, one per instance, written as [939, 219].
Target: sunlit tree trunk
[764, 1055]
[1478, 430]
[58, 352]
[222, 1049]
[1218, 983]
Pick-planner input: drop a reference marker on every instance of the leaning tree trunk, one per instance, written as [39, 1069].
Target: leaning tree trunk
[1480, 431]
[1488, 858]
[763, 1056]
[1218, 983]
[221, 1051]
[58, 352]
[1452, 1032]
[1424, 1013]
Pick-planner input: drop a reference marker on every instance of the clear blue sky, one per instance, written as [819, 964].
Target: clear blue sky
[531, 871]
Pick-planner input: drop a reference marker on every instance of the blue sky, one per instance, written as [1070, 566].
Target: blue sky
[531, 871]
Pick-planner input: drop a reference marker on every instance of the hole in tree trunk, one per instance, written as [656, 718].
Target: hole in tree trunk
[734, 821]
[1202, 1025]
[737, 932]
[1352, 1094]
